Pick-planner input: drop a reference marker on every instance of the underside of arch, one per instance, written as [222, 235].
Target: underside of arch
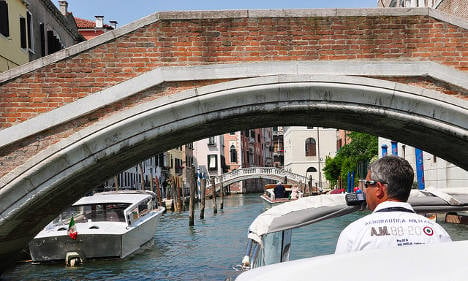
[34, 193]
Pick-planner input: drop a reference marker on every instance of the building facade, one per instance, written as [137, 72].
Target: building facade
[233, 154]
[278, 147]
[208, 156]
[458, 8]
[305, 151]
[33, 29]
[12, 52]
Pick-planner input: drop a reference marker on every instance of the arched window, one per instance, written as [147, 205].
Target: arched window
[311, 170]
[233, 154]
[310, 147]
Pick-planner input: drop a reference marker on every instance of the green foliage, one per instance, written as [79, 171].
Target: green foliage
[362, 148]
[332, 169]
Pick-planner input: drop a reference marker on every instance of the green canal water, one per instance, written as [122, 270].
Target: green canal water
[206, 251]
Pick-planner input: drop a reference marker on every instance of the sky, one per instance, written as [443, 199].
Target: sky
[126, 11]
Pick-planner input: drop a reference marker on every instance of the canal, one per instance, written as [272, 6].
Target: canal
[206, 251]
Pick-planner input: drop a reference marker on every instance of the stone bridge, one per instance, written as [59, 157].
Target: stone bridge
[75, 118]
[255, 173]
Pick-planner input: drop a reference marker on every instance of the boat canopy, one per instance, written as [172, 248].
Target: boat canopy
[312, 209]
[130, 197]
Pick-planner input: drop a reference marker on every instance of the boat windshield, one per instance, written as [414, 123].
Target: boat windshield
[95, 212]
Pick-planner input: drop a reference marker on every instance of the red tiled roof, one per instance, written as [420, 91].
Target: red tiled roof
[82, 23]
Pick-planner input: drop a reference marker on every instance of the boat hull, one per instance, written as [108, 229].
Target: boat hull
[120, 244]
[55, 248]
[275, 201]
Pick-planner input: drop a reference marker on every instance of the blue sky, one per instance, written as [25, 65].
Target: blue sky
[130, 10]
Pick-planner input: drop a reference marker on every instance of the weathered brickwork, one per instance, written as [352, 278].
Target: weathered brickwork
[17, 154]
[195, 42]
[208, 41]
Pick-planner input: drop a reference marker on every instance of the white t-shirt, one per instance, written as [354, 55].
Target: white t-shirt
[390, 226]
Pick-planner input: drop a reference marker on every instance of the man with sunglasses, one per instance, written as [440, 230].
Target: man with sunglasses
[393, 221]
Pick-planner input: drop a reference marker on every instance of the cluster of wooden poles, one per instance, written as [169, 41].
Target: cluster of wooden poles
[176, 191]
[202, 199]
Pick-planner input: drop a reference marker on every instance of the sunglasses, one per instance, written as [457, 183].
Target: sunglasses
[371, 183]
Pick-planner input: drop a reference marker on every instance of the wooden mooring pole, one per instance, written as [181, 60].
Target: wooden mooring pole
[221, 206]
[215, 208]
[192, 198]
[158, 191]
[202, 198]
[179, 195]
[172, 184]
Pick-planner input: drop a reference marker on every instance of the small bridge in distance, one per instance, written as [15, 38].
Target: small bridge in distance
[272, 173]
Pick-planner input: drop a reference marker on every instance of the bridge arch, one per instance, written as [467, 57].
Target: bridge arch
[32, 194]
[271, 173]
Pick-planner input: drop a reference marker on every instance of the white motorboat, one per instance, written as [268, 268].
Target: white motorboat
[269, 244]
[269, 194]
[107, 224]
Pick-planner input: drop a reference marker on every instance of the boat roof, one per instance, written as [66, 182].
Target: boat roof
[430, 262]
[308, 210]
[127, 196]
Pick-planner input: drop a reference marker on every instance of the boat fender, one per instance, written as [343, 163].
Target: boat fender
[73, 259]
[246, 261]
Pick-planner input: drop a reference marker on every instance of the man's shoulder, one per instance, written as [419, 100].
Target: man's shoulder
[359, 222]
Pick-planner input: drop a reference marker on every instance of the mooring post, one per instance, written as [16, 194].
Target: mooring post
[173, 193]
[202, 197]
[192, 198]
[158, 191]
[179, 196]
[215, 209]
[222, 195]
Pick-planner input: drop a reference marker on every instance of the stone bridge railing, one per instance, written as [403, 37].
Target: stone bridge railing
[257, 172]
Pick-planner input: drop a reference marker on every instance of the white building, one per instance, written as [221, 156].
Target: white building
[438, 173]
[208, 156]
[305, 151]
[267, 147]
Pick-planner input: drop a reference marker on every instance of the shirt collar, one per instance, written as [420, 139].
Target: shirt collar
[389, 204]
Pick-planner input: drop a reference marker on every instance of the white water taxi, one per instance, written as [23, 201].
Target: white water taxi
[269, 244]
[108, 224]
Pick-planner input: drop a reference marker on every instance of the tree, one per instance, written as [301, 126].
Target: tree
[332, 169]
[362, 148]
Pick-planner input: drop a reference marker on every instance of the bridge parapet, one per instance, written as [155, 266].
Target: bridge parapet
[272, 173]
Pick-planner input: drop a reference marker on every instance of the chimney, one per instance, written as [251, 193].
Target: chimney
[99, 21]
[113, 23]
[63, 7]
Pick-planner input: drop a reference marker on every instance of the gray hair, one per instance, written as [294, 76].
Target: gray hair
[397, 173]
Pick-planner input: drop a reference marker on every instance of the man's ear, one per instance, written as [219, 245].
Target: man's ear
[381, 191]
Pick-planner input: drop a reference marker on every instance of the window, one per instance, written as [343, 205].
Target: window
[4, 22]
[311, 170]
[233, 154]
[212, 162]
[310, 147]
[211, 141]
[42, 36]
[53, 43]
[178, 166]
[29, 29]
[23, 33]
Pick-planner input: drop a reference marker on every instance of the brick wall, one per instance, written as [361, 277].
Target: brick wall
[205, 41]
